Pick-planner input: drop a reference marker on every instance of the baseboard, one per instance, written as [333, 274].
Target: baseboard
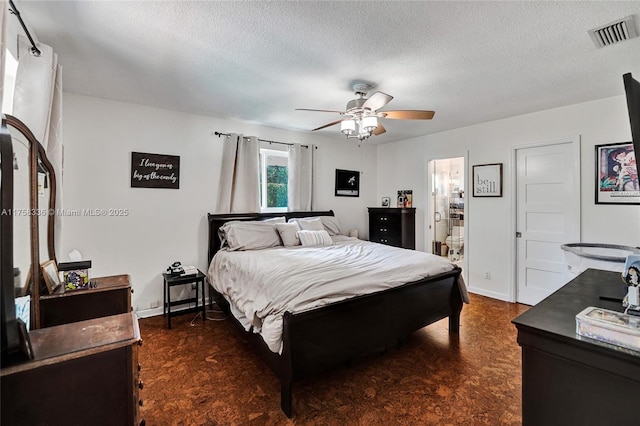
[146, 313]
[152, 312]
[492, 294]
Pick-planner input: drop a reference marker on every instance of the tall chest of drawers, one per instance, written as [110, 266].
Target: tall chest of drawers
[393, 226]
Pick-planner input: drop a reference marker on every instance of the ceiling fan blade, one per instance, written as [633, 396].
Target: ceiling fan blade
[319, 110]
[333, 123]
[377, 101]
[408, 114]
[379, 130]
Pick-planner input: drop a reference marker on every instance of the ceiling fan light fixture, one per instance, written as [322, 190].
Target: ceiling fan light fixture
[348, 127]
[362, 114]
[369, 123]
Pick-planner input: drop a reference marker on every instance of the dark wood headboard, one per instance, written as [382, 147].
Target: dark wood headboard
[217, 220]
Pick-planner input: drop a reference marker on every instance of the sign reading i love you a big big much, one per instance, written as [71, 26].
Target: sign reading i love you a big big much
[155, 170]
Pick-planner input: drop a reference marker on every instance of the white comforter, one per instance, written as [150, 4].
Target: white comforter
[262, 284]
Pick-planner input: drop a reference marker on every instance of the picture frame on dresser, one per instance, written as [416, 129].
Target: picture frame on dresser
[50, 275]
[405, 198]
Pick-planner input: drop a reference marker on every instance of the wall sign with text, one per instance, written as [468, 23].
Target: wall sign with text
[155, 170]
[487, 180]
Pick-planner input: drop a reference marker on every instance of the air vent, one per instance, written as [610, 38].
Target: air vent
[613, 33]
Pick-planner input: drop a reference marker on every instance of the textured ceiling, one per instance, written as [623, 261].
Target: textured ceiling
[471, 62]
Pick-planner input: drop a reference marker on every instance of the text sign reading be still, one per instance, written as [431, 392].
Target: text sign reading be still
[155, 170]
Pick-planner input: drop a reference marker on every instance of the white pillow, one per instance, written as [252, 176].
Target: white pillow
[331, 224]
[249, 235]
[288, 233]
[315, 238]
[279, 219]
[309, 224]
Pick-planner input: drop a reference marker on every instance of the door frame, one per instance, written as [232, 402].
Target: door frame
[429, 206]
[575, 143]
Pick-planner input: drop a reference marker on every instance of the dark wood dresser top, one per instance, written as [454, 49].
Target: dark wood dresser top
[102, 284]
[74, 340]
[555, 316]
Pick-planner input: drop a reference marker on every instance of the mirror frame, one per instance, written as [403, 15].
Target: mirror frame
[37, 152]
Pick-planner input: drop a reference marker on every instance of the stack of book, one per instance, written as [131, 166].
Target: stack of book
[189, 270]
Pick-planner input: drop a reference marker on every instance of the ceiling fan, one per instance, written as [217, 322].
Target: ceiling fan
[362, 113]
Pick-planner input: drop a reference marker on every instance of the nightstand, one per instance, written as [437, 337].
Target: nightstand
[174, 280]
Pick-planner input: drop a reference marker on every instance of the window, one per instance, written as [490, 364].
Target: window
[9, 83]
[273, 180]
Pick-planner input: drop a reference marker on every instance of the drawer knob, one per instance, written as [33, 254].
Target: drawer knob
[140, 403]
[139, 367]
[140, 385]
[143, 422]
[140, 342]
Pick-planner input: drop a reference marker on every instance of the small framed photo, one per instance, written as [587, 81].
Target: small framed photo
[386, 202]
[487, 180]
[616, 174]
[347, 183]
[50, 274]
[405, 198]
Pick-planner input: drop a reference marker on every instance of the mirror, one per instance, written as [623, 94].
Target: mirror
[33, 212]
[46, 206]
[21, 223]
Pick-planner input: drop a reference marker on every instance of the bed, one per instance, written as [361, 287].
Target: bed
[315, 336]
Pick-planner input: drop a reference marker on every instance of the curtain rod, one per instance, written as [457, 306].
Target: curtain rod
[34, 50]
[218, 134]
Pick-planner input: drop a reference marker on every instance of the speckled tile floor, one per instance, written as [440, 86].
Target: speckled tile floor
[206, 374]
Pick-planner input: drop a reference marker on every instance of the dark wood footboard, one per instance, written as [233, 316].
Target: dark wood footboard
[319, 339]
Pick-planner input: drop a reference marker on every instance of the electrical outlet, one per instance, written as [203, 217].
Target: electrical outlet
[487, 275]
[154, 304]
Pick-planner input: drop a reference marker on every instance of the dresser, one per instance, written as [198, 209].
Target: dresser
[83, 373]
[570, 380]
[110, 295]
[393, 226]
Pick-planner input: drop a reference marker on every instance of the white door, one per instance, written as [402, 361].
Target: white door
[548, 215]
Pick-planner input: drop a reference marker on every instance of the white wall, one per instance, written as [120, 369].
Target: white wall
[164, 225]
[403, 165]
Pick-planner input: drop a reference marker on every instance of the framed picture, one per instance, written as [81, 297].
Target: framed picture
[405, 198]
[487, 180]
[347, 183]
[155, 170]
[50, 274]
[616, 174]
[386, 202]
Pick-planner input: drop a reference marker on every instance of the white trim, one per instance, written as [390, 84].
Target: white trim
[487, 293]
[512, 170]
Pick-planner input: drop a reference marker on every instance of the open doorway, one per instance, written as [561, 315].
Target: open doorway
[447, 208]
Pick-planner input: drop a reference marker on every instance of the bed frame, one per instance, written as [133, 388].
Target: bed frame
[318, 339]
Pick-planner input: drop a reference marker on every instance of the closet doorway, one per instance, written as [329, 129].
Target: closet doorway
[447, 208]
